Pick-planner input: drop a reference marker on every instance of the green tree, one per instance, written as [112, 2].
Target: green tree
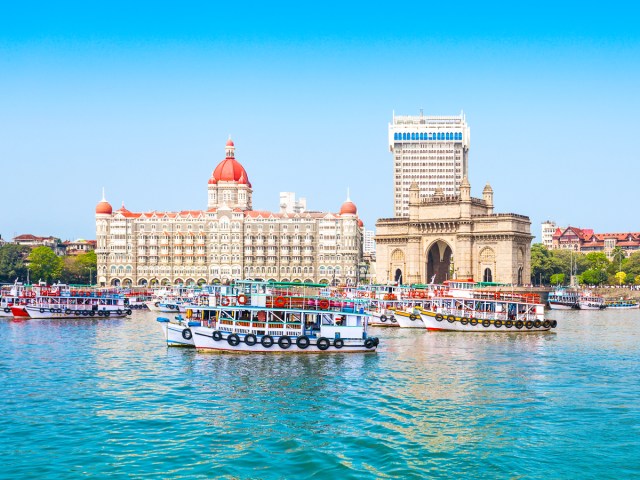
[80, 269]
[593, 276]
[12, 264]
[541, 264]
[596, 261]
[45, 265]
[632, 264]
[557, 279]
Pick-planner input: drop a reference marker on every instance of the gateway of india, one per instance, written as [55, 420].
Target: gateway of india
[439, 231]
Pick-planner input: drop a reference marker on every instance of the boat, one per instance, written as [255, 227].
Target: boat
[281, 317]
[409, 319]
[563, 299]
[178, 332]
[622, 304]
[490, 312]
[59, 301]
[591, 301]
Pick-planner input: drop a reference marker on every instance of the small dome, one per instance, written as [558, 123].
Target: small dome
[229, 169]
[487, 188]
[230, 143]
[348, 208]
[360, 223]
[103, 208]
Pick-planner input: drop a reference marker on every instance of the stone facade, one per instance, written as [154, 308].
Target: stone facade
[453, 236]
[227, 241]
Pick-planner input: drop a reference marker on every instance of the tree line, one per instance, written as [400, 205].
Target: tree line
[26, 265]
[555, 267]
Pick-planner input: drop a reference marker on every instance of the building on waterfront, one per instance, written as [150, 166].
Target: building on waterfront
[548, 229]
[79, 247]
[228, 240]
[289, 204]
[585, 240]
[431, 151]
[369, 245]
[33, 241]
[453, 237]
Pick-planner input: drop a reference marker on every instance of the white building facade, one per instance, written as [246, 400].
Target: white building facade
[369, 245]
[227, 241]
[548, 229]
[431, 151]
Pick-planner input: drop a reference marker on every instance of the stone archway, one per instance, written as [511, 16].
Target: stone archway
[438, 262]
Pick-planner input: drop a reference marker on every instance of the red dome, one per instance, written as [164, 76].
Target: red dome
[230, 143]
[360, 223]
[103, 208]
[230, 170]
[348, 208]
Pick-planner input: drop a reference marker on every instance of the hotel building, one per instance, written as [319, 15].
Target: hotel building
[431, 151]
[229, 240]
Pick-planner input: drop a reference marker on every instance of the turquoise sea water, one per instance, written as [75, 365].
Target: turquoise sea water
[98, 398]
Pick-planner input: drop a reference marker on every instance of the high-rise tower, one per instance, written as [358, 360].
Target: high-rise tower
[429, 150]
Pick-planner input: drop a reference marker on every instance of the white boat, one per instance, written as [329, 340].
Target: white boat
[277, 317]
[563, 299]
[410, 319]
[178, 332]
[590, 301]
[58, 302]
[501, 313]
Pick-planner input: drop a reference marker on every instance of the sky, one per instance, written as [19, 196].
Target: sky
[140, 98]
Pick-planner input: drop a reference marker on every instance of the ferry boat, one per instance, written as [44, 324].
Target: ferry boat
[178, 332]
[410, 318]
[622, 304]
[14, 298]
[563, 299]
[490, 312]
[280, 317]
[58, 301]
[590, 301]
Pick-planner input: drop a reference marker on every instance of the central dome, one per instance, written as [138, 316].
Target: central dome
[229, 169]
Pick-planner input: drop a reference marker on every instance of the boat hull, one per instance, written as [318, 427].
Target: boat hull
[562, 306]
[453, 323]
[37, 313]
[203, 339]
[178, 335]
[410, 321]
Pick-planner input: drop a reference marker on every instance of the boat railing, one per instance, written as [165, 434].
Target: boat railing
[489, 315]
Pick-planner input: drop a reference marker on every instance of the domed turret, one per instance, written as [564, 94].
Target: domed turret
[229, 170]
[103, 207]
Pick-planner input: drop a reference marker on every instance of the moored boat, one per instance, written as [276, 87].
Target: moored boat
[563, 299]
[178, 332]
[622, 304]
[590, 301]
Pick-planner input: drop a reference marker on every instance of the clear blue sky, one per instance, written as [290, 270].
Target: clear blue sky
[140, 98]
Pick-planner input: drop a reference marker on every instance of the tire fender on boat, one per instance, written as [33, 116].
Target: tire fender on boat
[284, 342]
[302, 342]
[528, 324]
[233, 340]
[473, 321]
[498, 323]
[338, 343]
[451, 319]
[519, 324]
[464, 320]
[369, 343]
[439, 317]
[323, 343]
[186, 334]
[216, 335]
[250, 339]
[486, 323]
[266, 341]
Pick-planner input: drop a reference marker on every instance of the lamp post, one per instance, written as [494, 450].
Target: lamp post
[28, 270]
[90, 275]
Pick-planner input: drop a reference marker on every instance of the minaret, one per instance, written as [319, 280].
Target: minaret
[487, 195]
[465, 198]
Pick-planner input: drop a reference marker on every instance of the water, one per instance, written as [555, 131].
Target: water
[107, 398]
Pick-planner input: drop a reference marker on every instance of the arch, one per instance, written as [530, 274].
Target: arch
[153, 282]
[178, 281]
[115, 282]
[308, 280]
[397, 276]
[165, 281]
[397, 255]
[285, 280]
[324, 280]
[487, 275]
[520, 269]
[190, 281]
[142, 282]
[439, 261]
[296, 280]
[127, 282]
[202, 281]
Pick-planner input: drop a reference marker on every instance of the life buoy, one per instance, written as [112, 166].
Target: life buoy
[519, 324]
[217, 335]
[338, 343]
[233, 340]
[225, 301]
[323, 304]
[250, 339]
[267, 341]
[486, 323]
[508, 323]
[369, 343]
[186, 334]
[279, 302]
[284, 342]
[303, 342]
[242, 299]
[451, 319]
[439, 317]
[498, 323]
[528, 324]
[464, 320]
[323, 343]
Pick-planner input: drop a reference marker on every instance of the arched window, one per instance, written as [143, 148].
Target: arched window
[487, 277]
